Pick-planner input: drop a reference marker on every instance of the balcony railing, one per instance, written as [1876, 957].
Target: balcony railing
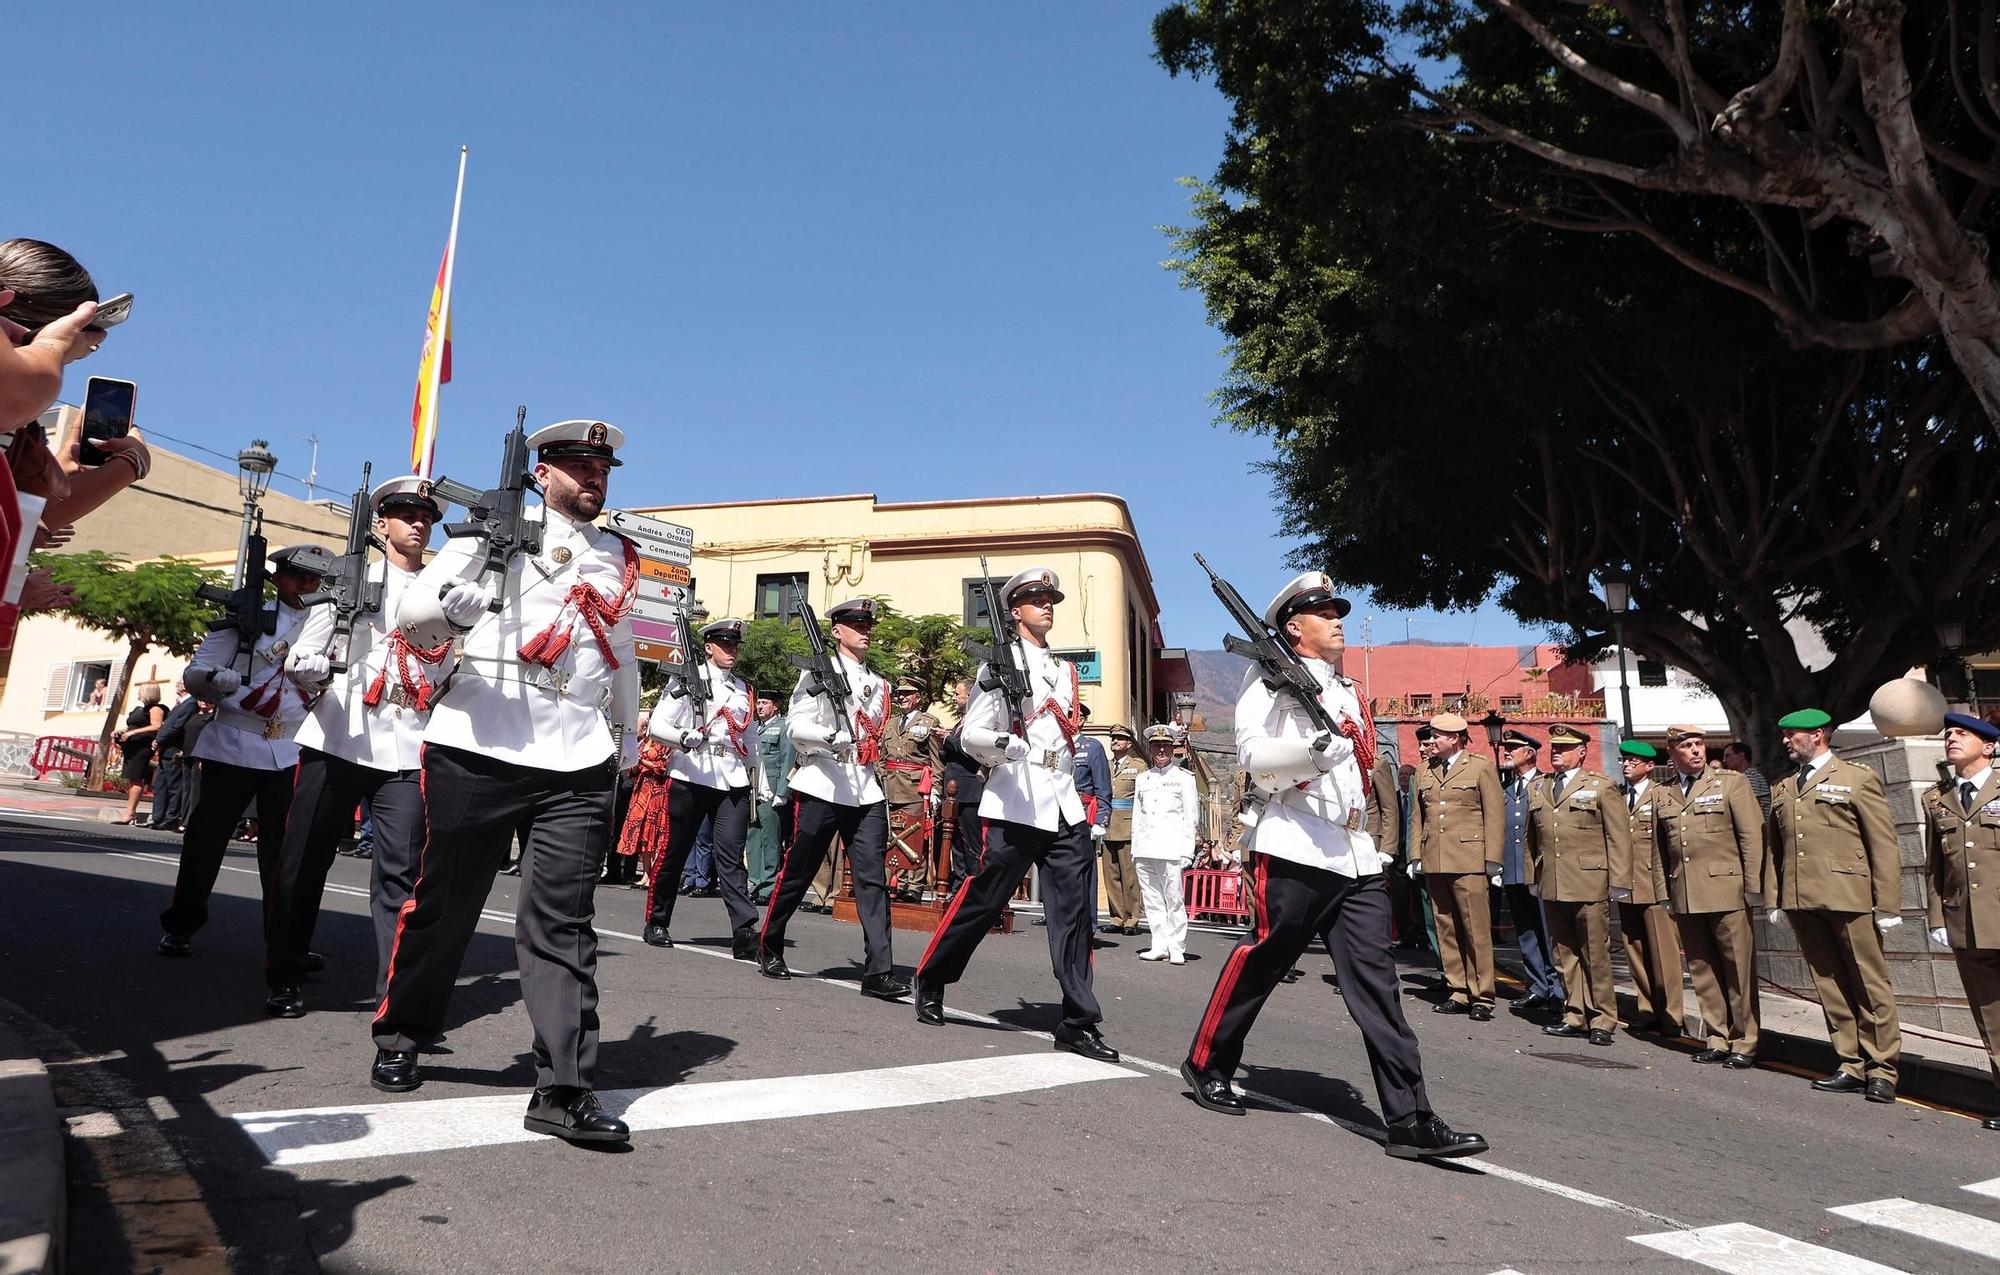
[1475, 705]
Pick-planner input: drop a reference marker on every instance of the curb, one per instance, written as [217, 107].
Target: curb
[33, 1181]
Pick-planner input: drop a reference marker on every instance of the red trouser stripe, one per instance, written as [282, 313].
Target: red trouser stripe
[660, 859]
[964, 888]
[1232, 970]
[403, 912]
[778, 886]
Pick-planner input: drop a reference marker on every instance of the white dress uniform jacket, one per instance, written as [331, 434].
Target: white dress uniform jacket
[723, 761]
[1040, 790]
[1312, 817]
[238, 736]
[497, 703]
[820, 736]
[1165, 808]
[389, 736]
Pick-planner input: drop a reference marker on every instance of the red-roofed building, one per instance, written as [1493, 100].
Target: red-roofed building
[1528, 685]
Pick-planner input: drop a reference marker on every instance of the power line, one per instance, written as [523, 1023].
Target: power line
[230, 457]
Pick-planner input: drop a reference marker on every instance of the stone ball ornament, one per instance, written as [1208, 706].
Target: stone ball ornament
[1907, 706]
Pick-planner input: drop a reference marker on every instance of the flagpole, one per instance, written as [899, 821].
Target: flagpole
[443, 319]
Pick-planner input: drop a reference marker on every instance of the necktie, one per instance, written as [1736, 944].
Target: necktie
[1687, 785]
[1965, 792]
[1805, 773]
[1631, 799]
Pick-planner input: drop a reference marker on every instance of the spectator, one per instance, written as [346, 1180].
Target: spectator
[169, 771]
[96, 699]
[141, 726]
[1737, 757]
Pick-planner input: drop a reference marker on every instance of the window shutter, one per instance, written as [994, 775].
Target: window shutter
[56, 688]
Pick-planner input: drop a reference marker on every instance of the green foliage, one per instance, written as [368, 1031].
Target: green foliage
[151, 604]
[763, 659]
[929, 648]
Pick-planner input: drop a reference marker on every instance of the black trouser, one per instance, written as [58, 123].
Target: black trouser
[327, 790]
[226, 792]
[473, 806]
[1067, 858]
[1406, 905]
[166, 787]
[1293, 903]
[688, 806]
[965, 839]
[864, 831]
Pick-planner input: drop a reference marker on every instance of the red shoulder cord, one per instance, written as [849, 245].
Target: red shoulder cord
[546, 647]
[868, 730]
[737, 728]
[1069, 721]
[1363, 735]
[645, 830]
[416, 684]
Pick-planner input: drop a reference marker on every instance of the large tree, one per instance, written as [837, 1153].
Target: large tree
[1467, 400]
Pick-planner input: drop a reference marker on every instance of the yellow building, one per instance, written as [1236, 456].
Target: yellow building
[922, 557]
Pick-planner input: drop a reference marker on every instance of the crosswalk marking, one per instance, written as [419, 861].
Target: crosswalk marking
[399, 1128]
[1928, 1222]
[1742, 1249]
[1989, 1188]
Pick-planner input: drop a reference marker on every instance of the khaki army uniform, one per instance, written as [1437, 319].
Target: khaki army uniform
[1457, 826]
[1833, 868]
[1580, 849]
[1121, 876]
[1962, 848]
[1711, 845]
[1384, 822]
[1652, 947]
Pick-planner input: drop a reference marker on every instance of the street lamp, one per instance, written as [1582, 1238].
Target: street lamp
[1951, 634]
[1618, 600]
[254, 466]
[1495, 726]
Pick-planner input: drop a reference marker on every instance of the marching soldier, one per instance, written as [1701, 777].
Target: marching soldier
[1712, 846]
[248, 752]
[839, 794]
[963, 768]
[1456, 827]
[1121, 876]
[1580, 846]
[1310, 859]
[364, 741]
[711, 778]
[1961, 839]
[771, 828]
[1838, 879]
[1034, 819]
[528, 737]
[1517, 884]
[1652, 950]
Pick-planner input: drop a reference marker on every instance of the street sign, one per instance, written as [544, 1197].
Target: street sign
[655, 537]
[656, 569]
[658, 600]
[658, 652]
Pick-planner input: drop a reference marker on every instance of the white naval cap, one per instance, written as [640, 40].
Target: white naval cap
[410, 489]
[723, 630]
[1314, 588]
[1034, 579]
[577, 438]
[850, 610]
[311, 559]
[1162, 734]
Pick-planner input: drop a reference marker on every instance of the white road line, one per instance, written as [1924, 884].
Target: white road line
[400, 1128]
[1928, 1222]
[1743, 1249]
[1989, 1188]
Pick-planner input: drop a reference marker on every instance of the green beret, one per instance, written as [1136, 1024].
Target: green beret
[1805, 719]
[1638, 748]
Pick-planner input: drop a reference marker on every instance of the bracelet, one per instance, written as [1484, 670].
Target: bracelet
[139, 470]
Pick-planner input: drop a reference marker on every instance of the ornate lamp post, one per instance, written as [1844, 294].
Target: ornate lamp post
[254, 466]
[1618, 600]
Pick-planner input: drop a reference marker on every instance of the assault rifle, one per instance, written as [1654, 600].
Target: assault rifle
[1283, 669]
[827, 677]
[499, 514]
[243, 606]
[1004, 670]
[693, 678]
[344, 581]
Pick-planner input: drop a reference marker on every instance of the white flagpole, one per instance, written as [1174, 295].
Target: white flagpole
[444, 319]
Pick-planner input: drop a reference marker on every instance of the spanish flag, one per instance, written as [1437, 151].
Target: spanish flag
[434, 369]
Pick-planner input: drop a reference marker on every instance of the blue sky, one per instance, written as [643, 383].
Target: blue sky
[792, 249]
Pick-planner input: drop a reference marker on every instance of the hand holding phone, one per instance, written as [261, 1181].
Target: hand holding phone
[107, 413]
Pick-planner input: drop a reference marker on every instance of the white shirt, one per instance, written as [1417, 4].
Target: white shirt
[1040, 790]
[558, 718]
[389, 736]
[239, 736]
[725, 761]
[1313, 817]
[1165, 808]
[818, 734]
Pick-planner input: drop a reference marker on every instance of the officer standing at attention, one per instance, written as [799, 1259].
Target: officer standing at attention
[1712, 845]
[247, 753]
[1310, 860]
[1457, 827]
[364, 741]
[1518, 750]
[523, 739]
[1580, 844]
[768, 832]
[1652, 948]
[839, 794]
[1962, 847]
[1034, 819]
[1838, 880]
[1121, 874]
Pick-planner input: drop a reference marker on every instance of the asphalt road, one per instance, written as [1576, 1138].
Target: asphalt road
[975, 1147]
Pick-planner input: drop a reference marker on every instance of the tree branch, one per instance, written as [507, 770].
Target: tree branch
[1575, 63]
[1754, 108]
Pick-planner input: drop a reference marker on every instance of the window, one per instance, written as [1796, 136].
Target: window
[1510, 704]
[78, 686]
[776, 593]
[975, 602]
[1652, 673]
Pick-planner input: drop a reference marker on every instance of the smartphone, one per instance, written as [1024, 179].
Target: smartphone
[112, 311]
[107, 413]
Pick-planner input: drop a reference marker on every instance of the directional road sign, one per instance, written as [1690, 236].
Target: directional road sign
[655, 537]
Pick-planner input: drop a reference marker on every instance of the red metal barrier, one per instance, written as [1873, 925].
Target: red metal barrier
[1217, 893]
[68, 754]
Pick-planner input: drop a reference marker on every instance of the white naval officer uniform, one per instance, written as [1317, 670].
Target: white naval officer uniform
[1166, 810]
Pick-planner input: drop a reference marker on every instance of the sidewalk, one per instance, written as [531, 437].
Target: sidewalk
[33, 1184]
[50, 797]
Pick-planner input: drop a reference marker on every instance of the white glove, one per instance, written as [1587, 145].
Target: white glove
[1776, 915]
[225, 682]
[1388, 860]
[1016, 748]
[692, 738]
[1940, 938]
[1887, 923]
[1621, 896]
[1495, 878]
[1331, 749]
[465, 602]
[1097, 833]
[933, 801]
[308, 668]
[1412, 870]
[1753, 898]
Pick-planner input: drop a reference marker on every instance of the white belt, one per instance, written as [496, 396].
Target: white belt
[251, 724]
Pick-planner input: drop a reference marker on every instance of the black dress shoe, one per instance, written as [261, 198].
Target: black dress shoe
[176, 945]
[1564, 1030]
[285, 1002]
[1710, 1056]
[1739, 1062]
[1417, 1136]
[656, 936]
[771, 965]
[930, 1003]
[314, 962]
[743, 947]
[363, 853]
[1880, 1090]
[572, 1114]
[1601, 1037]
[884, 987]
[1132, 931]
[1212, 1092]
[1840, 1082]
[1448, 1007]
[511, 870]
[1991, 1124]
[1481, 1013]
[1085, 1041]
[395, 1071]
[1110, 927]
